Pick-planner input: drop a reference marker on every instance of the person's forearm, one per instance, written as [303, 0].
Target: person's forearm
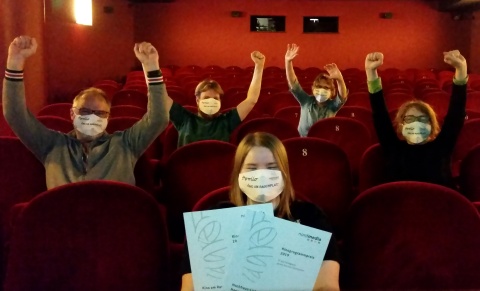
[15, 64]
[342, 88]
[371, 74]
[256, 84]
[291, 78]
[461, 73]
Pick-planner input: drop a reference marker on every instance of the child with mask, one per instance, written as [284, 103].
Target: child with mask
[263, 155]
[87, 152]
[209, 123]
[415, 147]
[325, 102]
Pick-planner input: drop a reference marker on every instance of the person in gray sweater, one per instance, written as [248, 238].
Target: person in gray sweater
[88, 152]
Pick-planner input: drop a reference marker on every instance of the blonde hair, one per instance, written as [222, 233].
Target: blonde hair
[208, 84]
[263, 139]
[91, 92]
[330, 83]
[422, 107]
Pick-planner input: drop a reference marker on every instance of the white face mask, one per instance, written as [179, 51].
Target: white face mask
[416, 132]
[209, 106]
[322, 95]
[90, 125]
[261, 185]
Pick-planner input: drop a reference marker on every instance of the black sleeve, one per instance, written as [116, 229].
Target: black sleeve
[185, 266]
[454, 119]
[312, 216]
[387, 135]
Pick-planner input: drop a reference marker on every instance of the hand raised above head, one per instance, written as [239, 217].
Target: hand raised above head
[455, 59]
[292, 52]
[257, 57]
[146, 53]
[333, 71]
[22, 47]
[373, 60]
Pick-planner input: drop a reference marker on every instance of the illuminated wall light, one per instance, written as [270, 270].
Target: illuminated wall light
[83, 12]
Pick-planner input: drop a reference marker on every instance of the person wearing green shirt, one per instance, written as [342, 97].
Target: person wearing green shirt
[210, 123]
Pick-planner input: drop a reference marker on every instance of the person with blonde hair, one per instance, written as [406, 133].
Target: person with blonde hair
[326, 100]
[209, 123]
[415, 148]
[263, 155]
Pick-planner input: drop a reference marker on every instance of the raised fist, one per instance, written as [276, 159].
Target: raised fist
[373, 61]
[454, 59]
[146, 53]
[292, 52]
[258, 58]
[22, 47]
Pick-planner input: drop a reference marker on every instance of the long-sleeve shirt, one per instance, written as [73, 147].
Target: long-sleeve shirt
[109, 157]
[310, 111]
[429, 162]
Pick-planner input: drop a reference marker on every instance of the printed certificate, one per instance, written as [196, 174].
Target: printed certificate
[211, 236]
[275, 254]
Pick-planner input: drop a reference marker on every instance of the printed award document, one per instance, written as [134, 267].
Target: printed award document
[275, 254]
[211, 235]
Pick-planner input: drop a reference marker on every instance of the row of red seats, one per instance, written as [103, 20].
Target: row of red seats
[320, 170]
[351, 124]
[397, 236]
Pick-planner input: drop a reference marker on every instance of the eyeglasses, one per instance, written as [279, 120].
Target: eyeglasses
[87, 111]
[413, 118]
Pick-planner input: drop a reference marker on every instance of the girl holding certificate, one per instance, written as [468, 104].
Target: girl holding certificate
[261, 175]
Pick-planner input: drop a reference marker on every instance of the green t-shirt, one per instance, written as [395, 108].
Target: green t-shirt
[192, 127]
[310, 111]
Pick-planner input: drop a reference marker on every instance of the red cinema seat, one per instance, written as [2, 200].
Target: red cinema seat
[280, 128]
[56, 123]
[320, 171]
[130, 97]
[361, 114]
[411, 235]
[127, 111]
[350, 135]
[291, 114]
[191, 172]
[95, 235]
[57, 109]
[469, 179]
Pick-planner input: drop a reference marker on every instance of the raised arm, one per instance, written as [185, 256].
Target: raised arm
[455, 117]
[254, 90]
[381, 119]
[335, 74]
[29, 130]
[144, 132]
[292, 52]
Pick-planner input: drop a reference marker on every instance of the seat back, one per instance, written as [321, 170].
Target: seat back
[280, 128]
[95, 235]
[57, 109]
[349, 134]
[127, 111]
[372, 168]
[191, 172]
[56, 123]
[412, 235]
[470, 174]
[130, 97]
[291, 114]
[469, 137]
[320, 171]
[361, 114]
